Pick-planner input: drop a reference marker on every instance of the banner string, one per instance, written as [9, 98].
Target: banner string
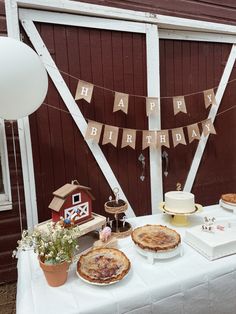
[134, 95]
[76, 115]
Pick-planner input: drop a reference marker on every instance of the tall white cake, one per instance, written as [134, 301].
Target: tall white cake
[212, 245]
[179, 202]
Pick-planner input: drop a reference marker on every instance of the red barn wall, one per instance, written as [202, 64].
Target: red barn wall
[57, 144]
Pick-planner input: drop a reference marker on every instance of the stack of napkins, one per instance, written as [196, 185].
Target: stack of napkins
[218, 243]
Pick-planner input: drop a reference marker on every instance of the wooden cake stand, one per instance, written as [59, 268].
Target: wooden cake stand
[180, 219]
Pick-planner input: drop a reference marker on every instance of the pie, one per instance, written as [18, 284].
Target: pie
[103, 266]
[229, 198]
[156, 238]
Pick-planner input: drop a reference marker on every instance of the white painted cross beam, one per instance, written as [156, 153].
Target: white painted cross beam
[212, 114]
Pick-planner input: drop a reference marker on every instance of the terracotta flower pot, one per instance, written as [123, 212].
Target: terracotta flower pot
[55, 274]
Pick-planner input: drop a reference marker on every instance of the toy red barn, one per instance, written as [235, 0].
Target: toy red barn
[70, 199]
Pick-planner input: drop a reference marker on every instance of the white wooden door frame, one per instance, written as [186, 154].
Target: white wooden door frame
[169, 27]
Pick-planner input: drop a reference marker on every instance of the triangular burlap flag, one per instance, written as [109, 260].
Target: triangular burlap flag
[178, 136]
[209, 97]
[162, 138]
[151, 105]
[149, 139]
[193, 132]
[84, 91]
[93, 131]
[128, 138]
[179, 104]
[208, 127]
[121, 102]
[110, 135]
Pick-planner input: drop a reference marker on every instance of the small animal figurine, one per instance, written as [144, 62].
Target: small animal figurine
[209, 224]
[105, 234]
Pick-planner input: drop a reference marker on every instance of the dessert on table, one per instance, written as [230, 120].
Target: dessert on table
[103, 266]
[156, 238]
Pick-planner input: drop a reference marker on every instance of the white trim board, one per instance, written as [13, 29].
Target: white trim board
[163, 21]
[154, 121]
[125, 26]
[81, 21]
[23, 131]
[212, 114]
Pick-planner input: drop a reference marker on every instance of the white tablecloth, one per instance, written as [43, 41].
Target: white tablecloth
[189, 284]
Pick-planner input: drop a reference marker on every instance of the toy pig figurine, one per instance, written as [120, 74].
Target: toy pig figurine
[105, 234]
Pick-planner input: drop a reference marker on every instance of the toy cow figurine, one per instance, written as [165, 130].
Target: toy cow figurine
[209, 224]
[105, 234]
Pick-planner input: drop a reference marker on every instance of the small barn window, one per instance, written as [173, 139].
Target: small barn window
[5, 186]
[76, 198]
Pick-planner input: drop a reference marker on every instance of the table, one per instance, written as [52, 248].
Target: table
[189, 284]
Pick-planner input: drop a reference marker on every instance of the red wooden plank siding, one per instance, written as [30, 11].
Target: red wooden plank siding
[203, 71]
[214, 11]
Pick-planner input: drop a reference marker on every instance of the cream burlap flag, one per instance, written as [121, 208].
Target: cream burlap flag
[208, 127]
[209, 97]
[110, 135]
[84, 91]
[121, 102]
[128, 138]
[151, 105]
[179, 105]
[162, 138]
[149, 139]
[193, 132]
[93, 131]
[178, 136]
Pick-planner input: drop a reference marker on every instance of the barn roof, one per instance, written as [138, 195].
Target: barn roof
[68, 188]
[61, 194]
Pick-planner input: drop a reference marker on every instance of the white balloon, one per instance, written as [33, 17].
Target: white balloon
[23, 79]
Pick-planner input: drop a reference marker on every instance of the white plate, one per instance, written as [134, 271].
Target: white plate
[98, 283]
[151, 256]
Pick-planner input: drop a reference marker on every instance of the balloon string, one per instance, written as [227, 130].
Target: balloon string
[17, 177]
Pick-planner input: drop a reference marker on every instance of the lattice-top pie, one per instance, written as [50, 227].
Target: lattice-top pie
[103, 265]
[156, 238]
[229, 198]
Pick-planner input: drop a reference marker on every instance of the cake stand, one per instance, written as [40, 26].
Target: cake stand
[180, 219]
[151, 256]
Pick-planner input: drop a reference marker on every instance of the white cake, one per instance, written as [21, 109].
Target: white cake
[179, 202]
[212, 245]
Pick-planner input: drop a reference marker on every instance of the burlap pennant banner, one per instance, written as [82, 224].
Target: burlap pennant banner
[84, 91]
[179, 105]
[193, 132]
[151, 105]
[93, 131]
[208, 127]
[110, 135]
[128, 138]
[162, 138]
[209, 97]
[121, 102]
[149, 139]
[178, 136]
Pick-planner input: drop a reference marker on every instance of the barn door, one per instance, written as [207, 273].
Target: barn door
[187, 67]
[117, 55]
